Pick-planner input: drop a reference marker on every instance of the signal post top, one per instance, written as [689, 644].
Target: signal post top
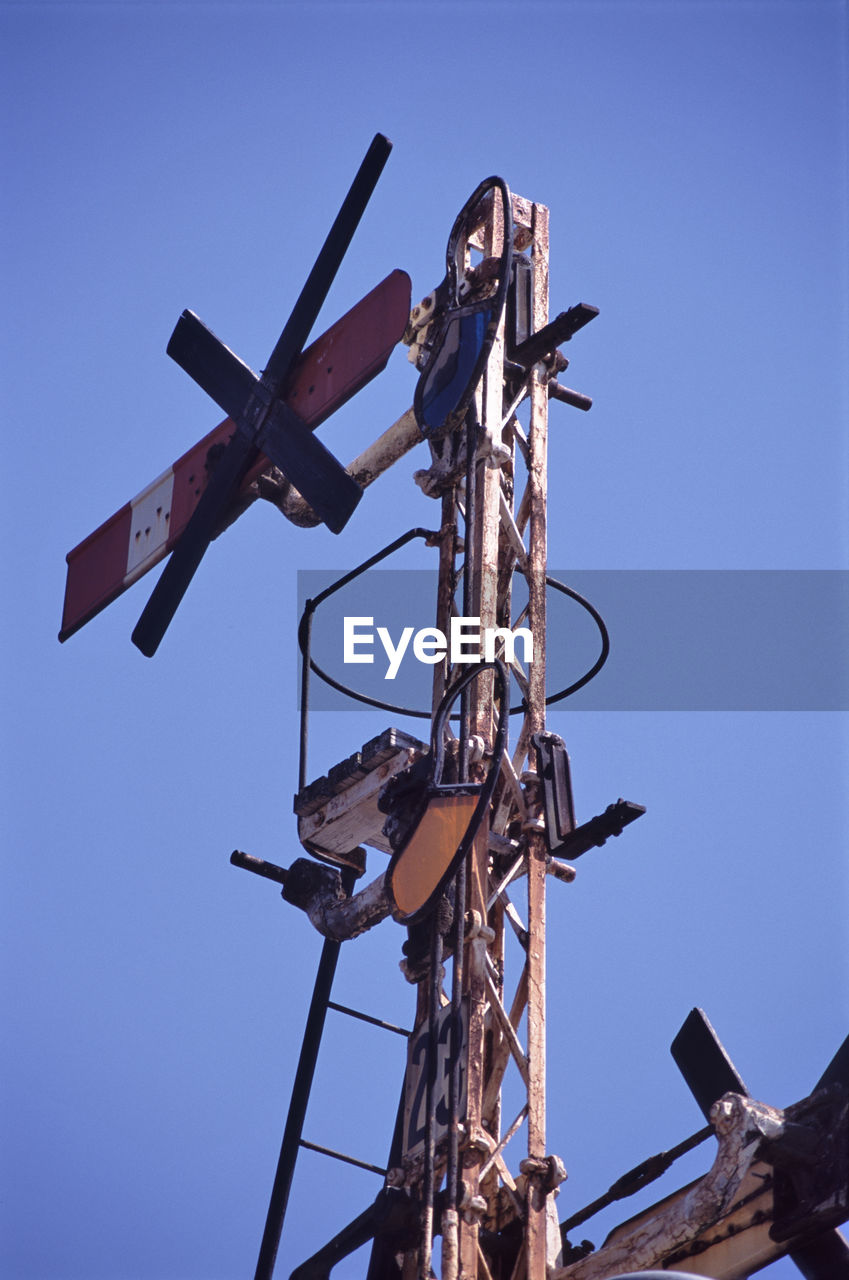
[474, 825]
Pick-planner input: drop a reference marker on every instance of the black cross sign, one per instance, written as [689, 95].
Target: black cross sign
[264, 423]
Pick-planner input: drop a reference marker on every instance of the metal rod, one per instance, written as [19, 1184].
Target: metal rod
[338, 1155]
[469, 551]
[450, 1218]
[305, 642]
[268, 870]
[457, 974]
[367, 1017]
[511, 1132]
[456, 1037]
[637, 1178]
[305, 638]
[430, 1095]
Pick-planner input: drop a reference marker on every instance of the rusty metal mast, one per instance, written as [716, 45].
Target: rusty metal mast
[502, 520]
[500, 502]
[489, 475]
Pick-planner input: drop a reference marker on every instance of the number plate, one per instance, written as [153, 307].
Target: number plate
[415, 1090]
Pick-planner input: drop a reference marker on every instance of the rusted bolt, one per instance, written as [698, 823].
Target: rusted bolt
[481, 1142]
[498, 456]
[475, 928]
[550, 1170]
[472, 1207]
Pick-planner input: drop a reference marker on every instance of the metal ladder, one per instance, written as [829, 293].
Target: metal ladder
[293, 1140]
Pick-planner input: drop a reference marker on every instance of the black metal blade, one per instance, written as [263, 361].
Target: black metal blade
[837, 1071]
[312, 296]
[827, 1256]
[190, 550]
[214, 367]
[703, 1062]
[561, 329]
[824, 1258]
[320, 478]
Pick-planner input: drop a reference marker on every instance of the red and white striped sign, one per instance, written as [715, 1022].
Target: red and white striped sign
[353, 351]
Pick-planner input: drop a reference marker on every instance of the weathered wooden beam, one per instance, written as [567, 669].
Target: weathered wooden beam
[718, 1226]
[339, 811]
[394, 442]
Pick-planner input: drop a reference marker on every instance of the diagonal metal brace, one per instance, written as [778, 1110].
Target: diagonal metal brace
[392, 1212]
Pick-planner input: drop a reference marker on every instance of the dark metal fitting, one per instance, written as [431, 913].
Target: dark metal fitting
[503, 845]
[810, 1157]
[305, 879]
[561, 329]
[513, 372]
[797, 1144]
[561, 870]
[486, 271]
[472, 1207]
[567, 396]
[550, 1170]
[395, 1178]
[477, 928]
[353, 860]
[498, 456]
[426, 305]
[594, 833]
[268, 870]
[438, 536]
[480, 1141]
[575, 1252]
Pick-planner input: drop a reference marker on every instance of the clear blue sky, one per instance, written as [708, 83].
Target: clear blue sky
[162, 156]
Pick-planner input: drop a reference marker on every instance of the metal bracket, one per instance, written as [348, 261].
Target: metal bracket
[811, 1163]
[562, 836]
[392, 1212]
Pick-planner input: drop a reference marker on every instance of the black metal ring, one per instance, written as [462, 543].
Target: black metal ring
[312, 605]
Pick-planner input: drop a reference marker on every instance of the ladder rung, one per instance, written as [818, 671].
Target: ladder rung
[366, 1017]
[337, 1155]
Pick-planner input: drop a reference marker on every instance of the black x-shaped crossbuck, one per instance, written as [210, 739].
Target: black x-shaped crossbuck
[264, 422]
